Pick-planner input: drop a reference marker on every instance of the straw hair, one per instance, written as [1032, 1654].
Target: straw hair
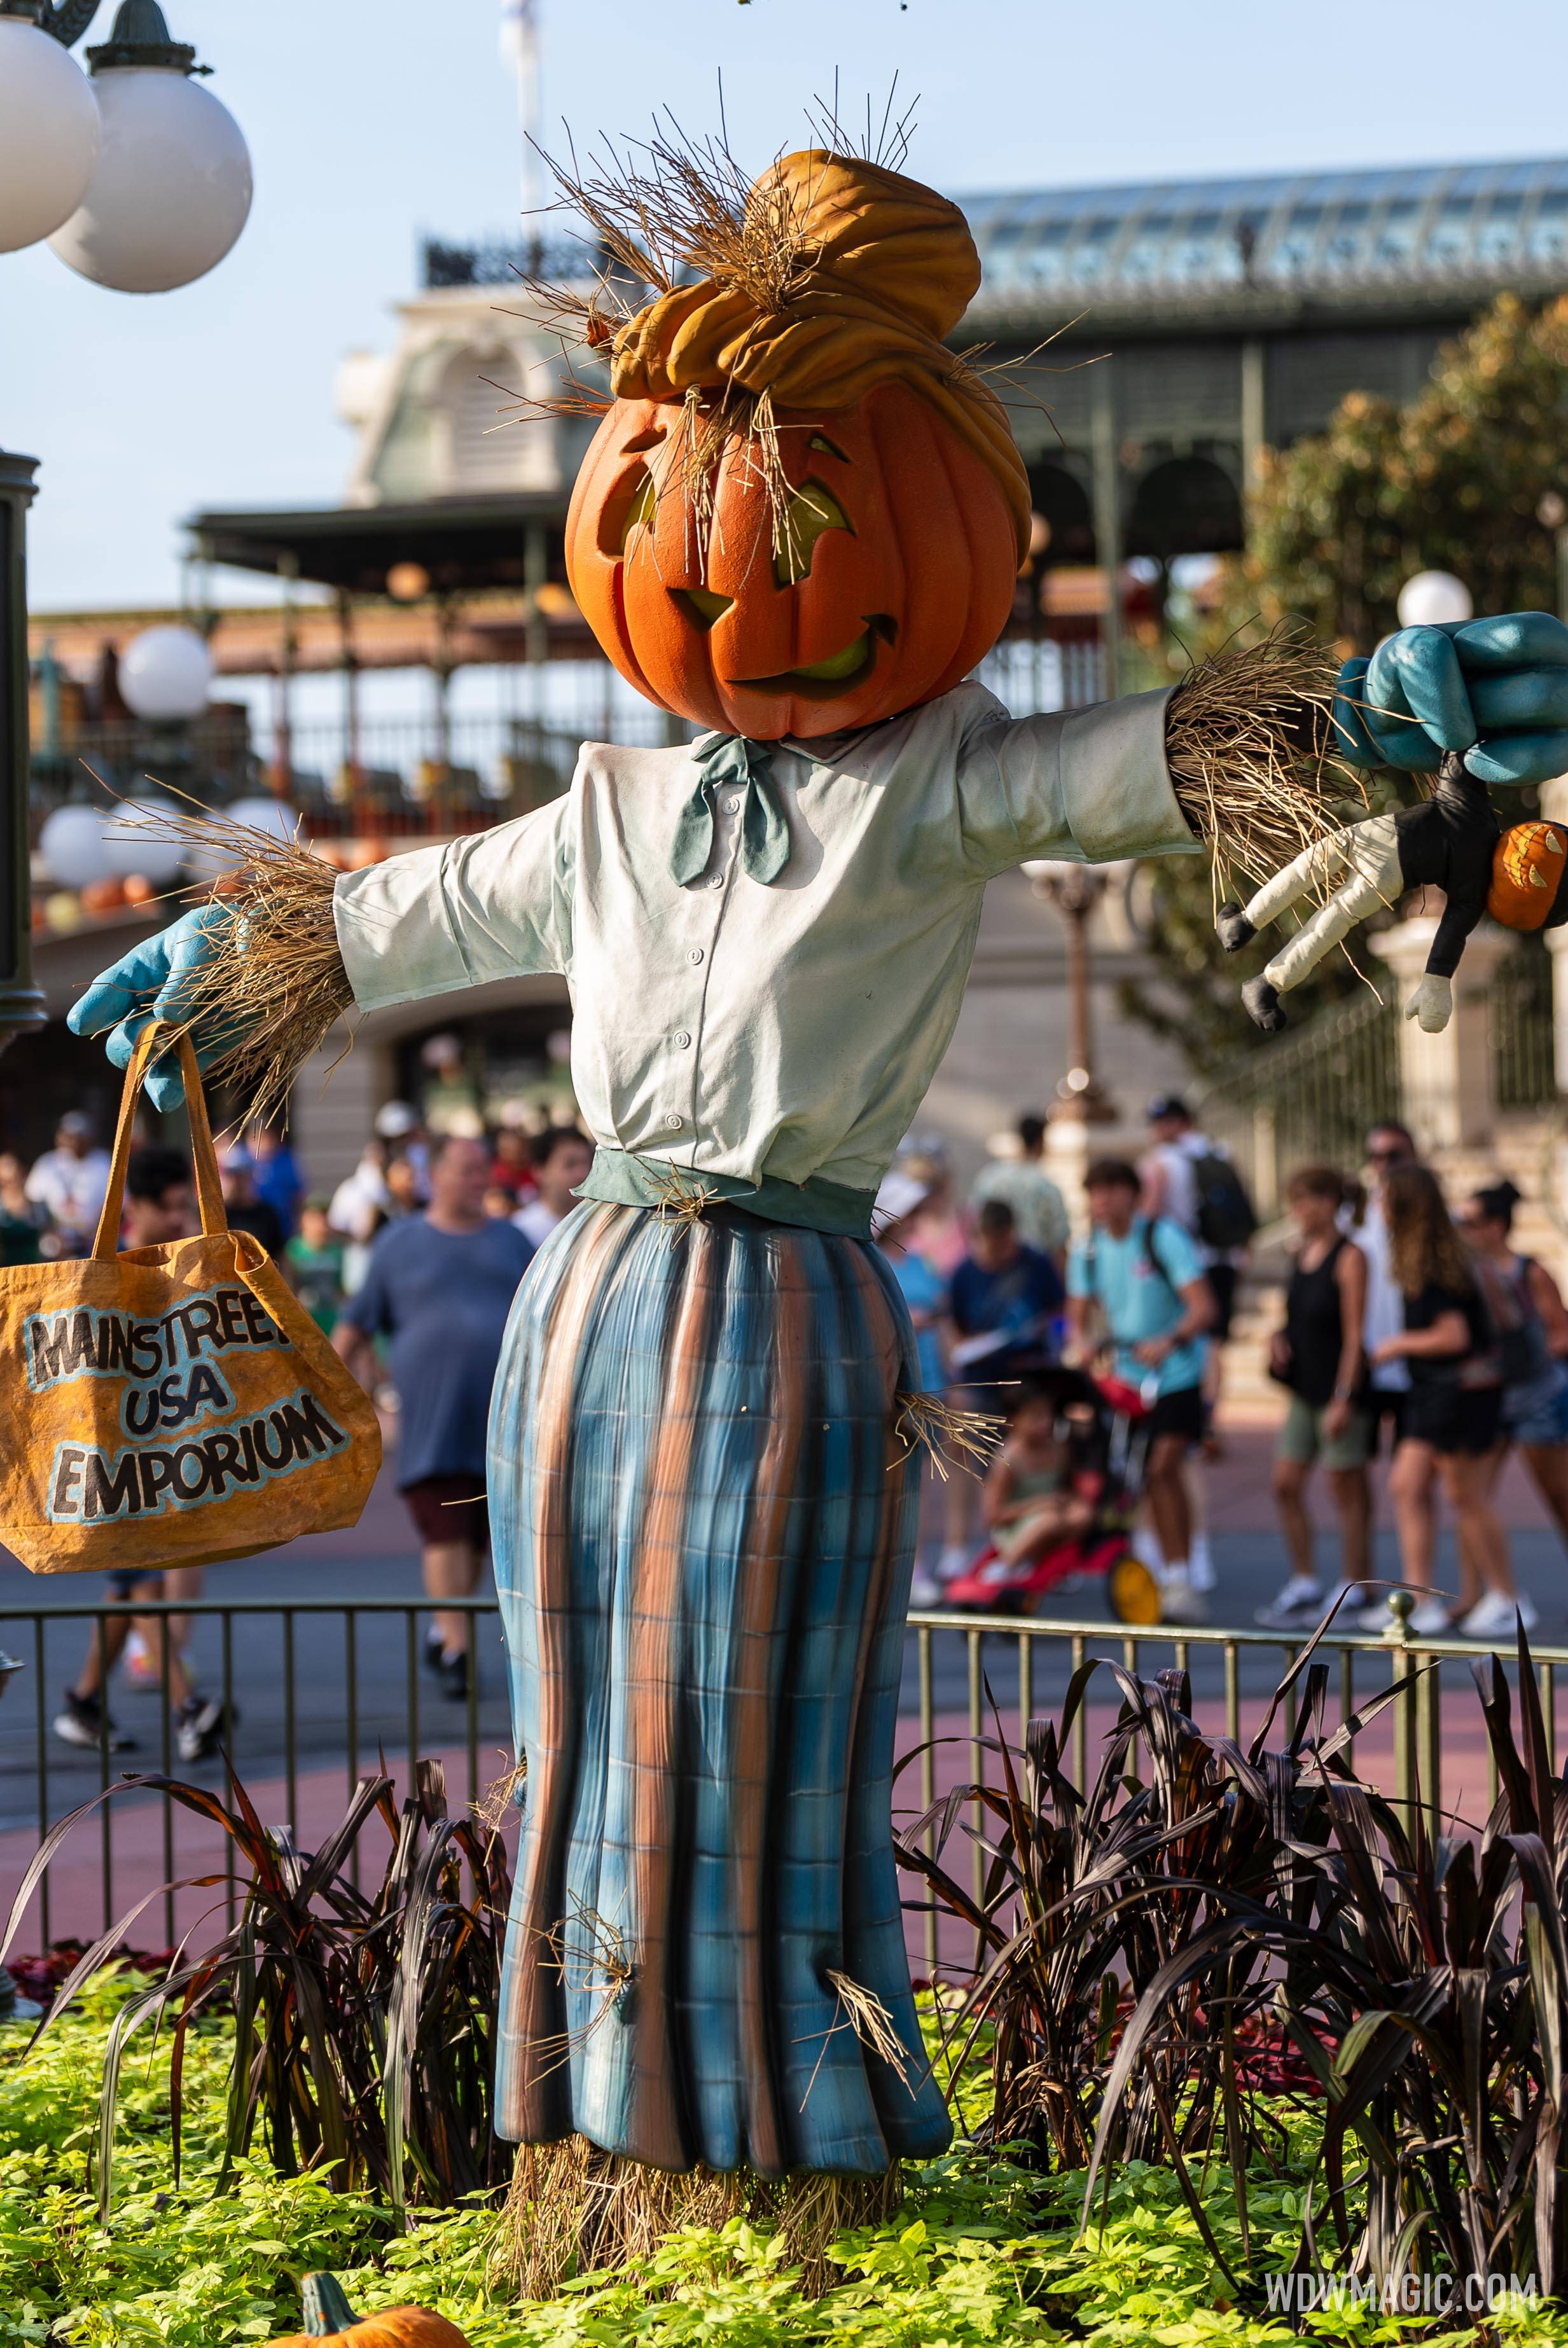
[803, 289]
[1247, 741]
[276, 979]
[572, 2210]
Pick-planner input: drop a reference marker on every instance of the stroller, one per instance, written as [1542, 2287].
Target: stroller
[1101, 1422]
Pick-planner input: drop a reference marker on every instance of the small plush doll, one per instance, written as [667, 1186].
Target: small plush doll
[1485, 702]
[798, 527]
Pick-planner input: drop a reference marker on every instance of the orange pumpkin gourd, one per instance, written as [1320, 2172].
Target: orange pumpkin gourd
[895, 574]
[328, 2317]
[1527, 866]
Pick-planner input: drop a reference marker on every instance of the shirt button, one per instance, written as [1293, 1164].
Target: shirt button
[717, 880]
[672, 1123]
[682, 1040]
[732, 806]
[695, 955]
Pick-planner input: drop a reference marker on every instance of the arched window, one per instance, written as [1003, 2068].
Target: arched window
[1188, 505]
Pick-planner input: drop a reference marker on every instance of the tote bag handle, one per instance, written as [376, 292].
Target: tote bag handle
[153, 1040]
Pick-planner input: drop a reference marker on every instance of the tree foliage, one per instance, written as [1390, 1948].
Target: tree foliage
[1451, 481]
[1336, 523]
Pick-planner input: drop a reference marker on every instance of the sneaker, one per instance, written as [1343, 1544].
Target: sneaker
[1493, 1617]
[955, 1560]
[432, 1653]
[198, 1724]
[455, 1677]
[1179, 1602]
[1431, 1617]
[924, 1589]
[82, 1722]
[1298, 1606]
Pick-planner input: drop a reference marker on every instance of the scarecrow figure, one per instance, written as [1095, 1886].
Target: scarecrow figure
[800, 527]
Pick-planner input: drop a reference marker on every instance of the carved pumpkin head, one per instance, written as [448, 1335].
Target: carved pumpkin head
[891, 576]
[1527, 866]
[803, 511]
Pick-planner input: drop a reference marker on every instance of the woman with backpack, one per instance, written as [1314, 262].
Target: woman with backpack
[1317, 1355]
[1533, 1334]
[1453, 1413]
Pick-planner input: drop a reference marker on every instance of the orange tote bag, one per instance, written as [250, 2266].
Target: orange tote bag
[172, 1405]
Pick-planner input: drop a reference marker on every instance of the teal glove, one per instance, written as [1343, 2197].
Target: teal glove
[153, 981]
[1496, 690]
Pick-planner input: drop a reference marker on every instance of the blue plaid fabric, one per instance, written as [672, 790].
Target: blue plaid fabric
[703, 1538]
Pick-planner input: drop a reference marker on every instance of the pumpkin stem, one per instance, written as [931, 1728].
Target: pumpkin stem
[327, 2311]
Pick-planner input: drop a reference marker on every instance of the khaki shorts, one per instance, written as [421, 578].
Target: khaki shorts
[1302, 1438]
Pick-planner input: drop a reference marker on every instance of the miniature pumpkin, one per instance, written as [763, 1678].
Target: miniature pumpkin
[328, 2316]
[1527, 867]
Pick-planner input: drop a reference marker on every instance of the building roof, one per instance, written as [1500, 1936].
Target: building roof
[1431, 228]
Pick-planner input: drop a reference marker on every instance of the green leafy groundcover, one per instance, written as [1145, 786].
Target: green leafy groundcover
[980, 2252]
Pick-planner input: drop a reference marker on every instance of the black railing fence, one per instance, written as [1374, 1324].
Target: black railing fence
[317, 1692]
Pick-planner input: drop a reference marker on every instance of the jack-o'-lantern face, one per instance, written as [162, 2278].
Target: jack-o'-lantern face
[1527, 866]
[869, 574]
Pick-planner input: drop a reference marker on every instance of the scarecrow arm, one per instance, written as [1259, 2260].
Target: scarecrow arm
[1232, 758]
[261, 979]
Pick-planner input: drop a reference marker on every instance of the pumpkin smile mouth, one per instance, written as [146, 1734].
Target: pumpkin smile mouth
[824, 680]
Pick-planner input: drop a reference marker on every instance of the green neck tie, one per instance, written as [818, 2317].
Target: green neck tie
[728, 761]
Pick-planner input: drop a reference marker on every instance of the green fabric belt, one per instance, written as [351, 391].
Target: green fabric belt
[621, 1179]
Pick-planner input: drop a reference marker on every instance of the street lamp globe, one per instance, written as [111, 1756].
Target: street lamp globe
[73, 848]
[165, 673]
[171, 188]
[49, 131]
[1434, 598]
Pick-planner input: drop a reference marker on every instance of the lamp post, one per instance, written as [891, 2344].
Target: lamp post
[140, 181]
[1075, 891]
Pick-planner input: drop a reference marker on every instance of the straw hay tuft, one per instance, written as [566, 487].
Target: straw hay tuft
[682, 1201]
[966, 1440]
[572, 2210]
[276, 980]
[1250, 748]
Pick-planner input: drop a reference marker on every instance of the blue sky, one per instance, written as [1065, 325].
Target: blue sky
[373, 120]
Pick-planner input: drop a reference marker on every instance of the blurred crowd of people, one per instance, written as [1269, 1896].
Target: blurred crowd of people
[1429, 1330]
[999, 1293]
[1405, 1326]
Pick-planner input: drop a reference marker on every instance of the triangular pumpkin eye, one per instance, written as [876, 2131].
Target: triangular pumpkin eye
[812, 509]
[640, 512]
[704, 604]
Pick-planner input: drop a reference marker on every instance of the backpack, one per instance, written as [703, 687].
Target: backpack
[1225, 1215]
[1512, 1313]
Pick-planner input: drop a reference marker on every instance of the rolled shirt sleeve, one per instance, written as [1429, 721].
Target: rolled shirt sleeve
[1088, 785]
[495, 905]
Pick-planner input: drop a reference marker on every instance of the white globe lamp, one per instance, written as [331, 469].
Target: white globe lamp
[135, 843]
[171, 190]
[1434, 598]
[74, 849]
[165, 673]
[48, 133]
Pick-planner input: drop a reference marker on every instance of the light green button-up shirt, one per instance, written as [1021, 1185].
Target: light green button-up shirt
[785, 1030]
